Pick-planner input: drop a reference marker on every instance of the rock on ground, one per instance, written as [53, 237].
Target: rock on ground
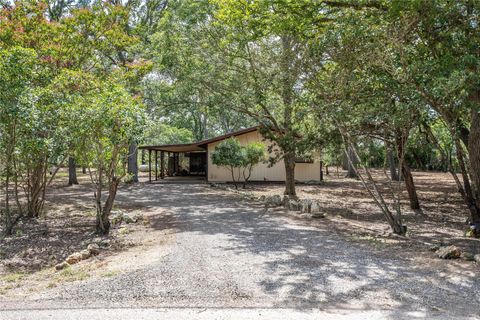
[448, 252]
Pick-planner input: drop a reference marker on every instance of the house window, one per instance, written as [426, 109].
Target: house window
[304, 159]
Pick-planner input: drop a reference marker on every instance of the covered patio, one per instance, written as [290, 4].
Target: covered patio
[176, 162]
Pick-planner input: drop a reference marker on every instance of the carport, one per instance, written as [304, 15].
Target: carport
[176, 160]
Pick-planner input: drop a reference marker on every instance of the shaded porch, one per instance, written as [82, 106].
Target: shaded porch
[175, 163]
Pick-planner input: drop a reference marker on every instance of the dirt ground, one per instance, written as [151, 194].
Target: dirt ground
[27, 258]
[351, 210]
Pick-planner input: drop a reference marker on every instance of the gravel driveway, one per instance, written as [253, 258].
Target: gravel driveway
[229, 253]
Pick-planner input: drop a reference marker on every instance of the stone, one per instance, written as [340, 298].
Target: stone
[314, 207]
[318, 215]
[137, 217]
[291, 204]
[85, 254]
[123, 230]
[128, 219]
[143, 168]
[294, 205]
[62, 265]
[477, 258]
[306, 205]
[274, 201]
[94, 249]
[105, 243]
[74, 258]
[448, 252]
[123, 217]
[467, 256]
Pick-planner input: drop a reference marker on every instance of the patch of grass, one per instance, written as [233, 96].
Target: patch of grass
[109, 274]
[12, 277]
[91, 213]
[371, 240]
[71, 274]
[123, 230]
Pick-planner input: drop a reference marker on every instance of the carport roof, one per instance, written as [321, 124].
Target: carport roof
[196, 146]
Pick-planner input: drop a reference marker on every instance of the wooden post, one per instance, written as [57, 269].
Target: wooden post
[321, 170]
[176, 162]
[168, 164]
[156, 165]
[206, 165]
[149, 165]
[162, 165]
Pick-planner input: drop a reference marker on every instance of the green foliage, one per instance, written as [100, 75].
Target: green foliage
[239, 159]
[254, 153]
[159, 133]
[228, 153]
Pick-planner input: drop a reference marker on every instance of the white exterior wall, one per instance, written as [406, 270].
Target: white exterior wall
[261, 172]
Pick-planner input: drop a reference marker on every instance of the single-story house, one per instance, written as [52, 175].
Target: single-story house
[192, 159]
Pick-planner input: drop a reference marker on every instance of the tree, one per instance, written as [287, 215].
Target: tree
[238, 159]
[253, 154]
[72, 171]
[109, 121]
[176, 91]
[16, 67]
[228, 154]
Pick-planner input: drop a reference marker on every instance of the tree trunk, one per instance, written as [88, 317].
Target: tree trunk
[35, 189]
[394, 221]
[132, 162]
[84, 170]
[289, 161]
[344, 161]
[401, 141]
[72, 171]
[288, 146]
[143, 157]
[104, 226]
[392, 165]
[352, 172]
[474, 159]
[412, 191]
[7, 213]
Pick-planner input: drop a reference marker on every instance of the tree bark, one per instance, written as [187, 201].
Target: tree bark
[412, 191]
[103, 226]
[132, 162]
[392, 165]
[352, 172]
[474, 159]
[401, 141]
[344, 161]
[72, 171]
[289, 161]
[288, 146]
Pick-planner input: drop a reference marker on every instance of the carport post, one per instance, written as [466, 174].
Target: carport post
[149, 165]
[162, 165]
[156, 165]
[321, 170]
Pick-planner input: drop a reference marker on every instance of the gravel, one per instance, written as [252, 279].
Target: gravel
[230, 253]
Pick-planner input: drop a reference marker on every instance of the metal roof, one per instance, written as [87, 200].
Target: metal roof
[197, 146]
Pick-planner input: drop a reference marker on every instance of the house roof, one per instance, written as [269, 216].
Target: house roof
[197, 146]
